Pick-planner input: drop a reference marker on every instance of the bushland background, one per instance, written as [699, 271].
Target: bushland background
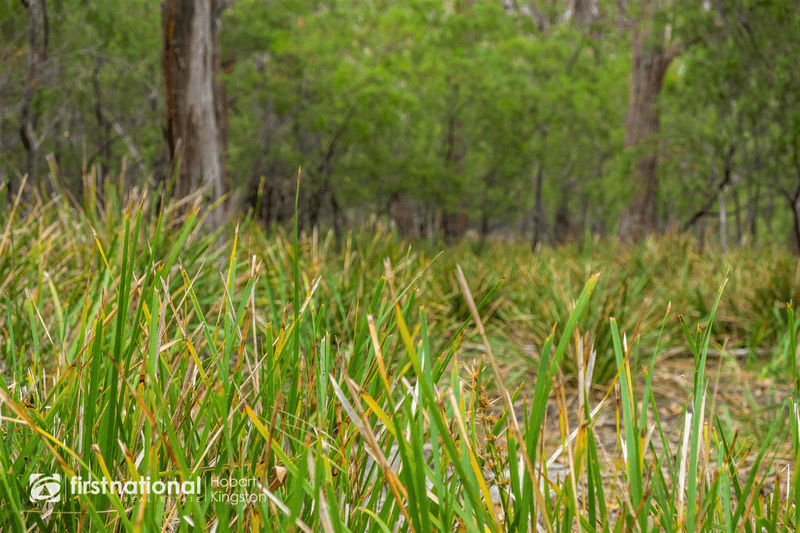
[547, 121]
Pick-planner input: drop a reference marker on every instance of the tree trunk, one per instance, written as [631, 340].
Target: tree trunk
[103, 126]
[400, 212]
[737, 207]
[752, 211]
[190, 63]
[563, 226]
[337, 215]
[28, 116]
[794, 205]
[755, 196]
[315, 201]
[794, 240]
[454, 226]
[483, 231]
[723, 220]
[538, 210]
[221, 107]
[649, 65]
[769, 214]
[584, 12]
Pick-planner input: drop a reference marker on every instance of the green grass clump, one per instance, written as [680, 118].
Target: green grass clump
[137, 349]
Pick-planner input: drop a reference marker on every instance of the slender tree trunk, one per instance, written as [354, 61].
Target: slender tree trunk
[5, 183]
[190, 64]
[702, 226]
[104, 127]
[769, 213]
[755, 198]
[38, 36]
[701, 235]
[795, 237]
[266, 203]
[538, 211]
[794, 203]
[453, 223]
[221, 108]
[337, 214]
[483, 231]
[563, 226]
[723, 220]
[752, 214]
[315, 202]
[737, 206]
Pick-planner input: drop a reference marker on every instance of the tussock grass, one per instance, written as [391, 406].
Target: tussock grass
[353, 389]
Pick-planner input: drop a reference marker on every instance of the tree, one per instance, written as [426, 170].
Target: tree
[649, 64]
[195, 103]
[734, 116]
[38, 37]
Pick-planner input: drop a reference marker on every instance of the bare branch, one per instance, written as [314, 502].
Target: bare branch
[128, 141]
[45, 29]
[724, 184]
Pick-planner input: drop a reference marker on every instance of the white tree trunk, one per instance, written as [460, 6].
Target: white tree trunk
[200, 100]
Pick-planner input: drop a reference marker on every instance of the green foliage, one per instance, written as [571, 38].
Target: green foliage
[733, 103]
[455, 105]
[118, 44]
[444, 105]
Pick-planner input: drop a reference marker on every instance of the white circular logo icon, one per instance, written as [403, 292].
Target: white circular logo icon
[45, 488]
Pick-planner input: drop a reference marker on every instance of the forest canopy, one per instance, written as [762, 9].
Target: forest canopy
[545, 120]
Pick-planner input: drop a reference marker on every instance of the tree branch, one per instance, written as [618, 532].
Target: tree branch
[726, 181]
[679, 47]
[128, 141]
[45, 29]
[575, 56]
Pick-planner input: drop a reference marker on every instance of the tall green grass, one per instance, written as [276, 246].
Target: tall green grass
[338, 383]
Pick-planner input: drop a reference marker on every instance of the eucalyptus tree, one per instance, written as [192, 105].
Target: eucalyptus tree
[654, 47]
[195, 102]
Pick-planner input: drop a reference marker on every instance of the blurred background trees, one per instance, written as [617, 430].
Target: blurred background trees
[546, 121]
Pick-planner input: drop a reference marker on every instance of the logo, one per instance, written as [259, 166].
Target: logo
[45, 488]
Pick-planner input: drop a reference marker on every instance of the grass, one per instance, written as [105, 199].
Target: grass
[380, 387]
